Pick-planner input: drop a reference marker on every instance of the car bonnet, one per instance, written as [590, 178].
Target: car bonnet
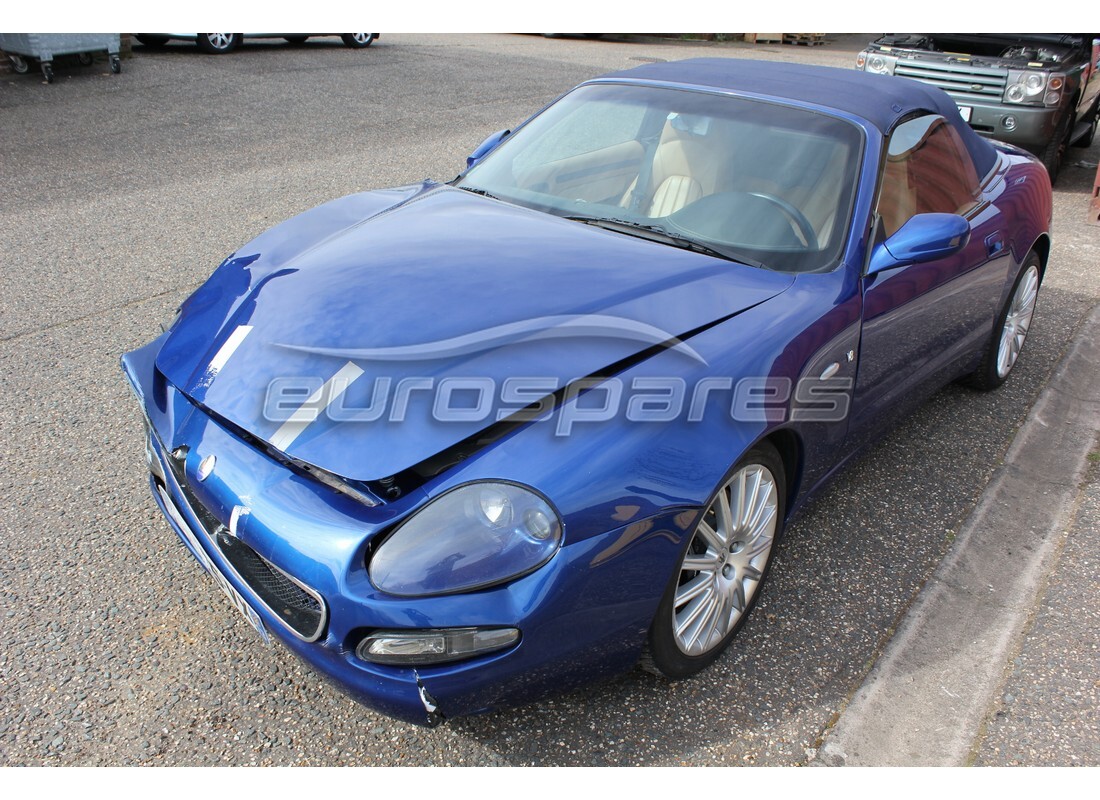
[441, 290]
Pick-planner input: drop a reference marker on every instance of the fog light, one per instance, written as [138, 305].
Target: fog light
[1009, 123]
[438, 646]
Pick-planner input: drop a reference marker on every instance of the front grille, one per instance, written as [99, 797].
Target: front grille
[302, 610]
[208, 521]
[960, 80]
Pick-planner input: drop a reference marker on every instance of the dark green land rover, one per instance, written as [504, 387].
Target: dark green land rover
[1038, 91]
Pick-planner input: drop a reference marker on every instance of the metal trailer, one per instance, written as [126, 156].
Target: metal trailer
[45, 46]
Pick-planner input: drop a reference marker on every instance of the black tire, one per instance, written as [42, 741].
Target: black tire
[151, 40]
[1055, 150]
[116, 65]
[358, 40]
[666, 652]
[296, 39]
[47, 72]
[218, 43]
[19, 64]
[85, 59]
[991, 373]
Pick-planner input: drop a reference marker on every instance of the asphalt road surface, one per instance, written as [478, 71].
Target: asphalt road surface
[121, 194]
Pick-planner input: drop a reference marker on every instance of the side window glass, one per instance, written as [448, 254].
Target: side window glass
[927, 170]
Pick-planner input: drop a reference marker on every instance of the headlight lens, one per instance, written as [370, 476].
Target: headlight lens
[879, 64]
[474, 536]
[1015, 93]
[1033, 87]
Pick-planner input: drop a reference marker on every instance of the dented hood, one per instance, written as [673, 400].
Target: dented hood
[406, 303]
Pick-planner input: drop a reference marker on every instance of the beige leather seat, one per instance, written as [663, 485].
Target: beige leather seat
[685, 168]
[897, 200]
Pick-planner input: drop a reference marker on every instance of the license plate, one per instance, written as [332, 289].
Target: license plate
[965, 111]
[212, 569]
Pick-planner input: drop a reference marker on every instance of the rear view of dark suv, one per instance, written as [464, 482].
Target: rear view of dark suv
[1038, 91]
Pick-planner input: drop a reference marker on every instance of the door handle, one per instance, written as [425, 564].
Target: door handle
[994, 243]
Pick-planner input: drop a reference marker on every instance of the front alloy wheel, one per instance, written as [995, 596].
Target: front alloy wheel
[719, 576]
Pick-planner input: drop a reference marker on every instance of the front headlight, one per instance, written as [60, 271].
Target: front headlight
[1032, 87]
[870, 61]
[477, 535]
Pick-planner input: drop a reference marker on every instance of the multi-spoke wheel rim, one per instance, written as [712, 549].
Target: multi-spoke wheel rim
[361, 38]
[725, 561]
[219, 41]
[1018, 320]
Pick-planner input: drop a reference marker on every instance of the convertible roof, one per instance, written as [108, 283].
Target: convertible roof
[881, 100]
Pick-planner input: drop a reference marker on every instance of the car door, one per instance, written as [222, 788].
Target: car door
[923, 322]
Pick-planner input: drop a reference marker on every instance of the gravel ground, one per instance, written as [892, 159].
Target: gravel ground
[129, 189]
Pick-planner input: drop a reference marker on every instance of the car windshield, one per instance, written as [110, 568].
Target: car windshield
[753, 181]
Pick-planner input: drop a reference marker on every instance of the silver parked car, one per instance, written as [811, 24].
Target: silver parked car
[226, 42]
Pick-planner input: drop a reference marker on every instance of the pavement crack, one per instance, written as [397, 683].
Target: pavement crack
[92, 314]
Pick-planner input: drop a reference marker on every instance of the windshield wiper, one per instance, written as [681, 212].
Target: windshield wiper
[475, 190]
[660, 234]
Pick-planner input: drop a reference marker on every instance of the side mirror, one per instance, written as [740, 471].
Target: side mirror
[925, 237]
[486, 147]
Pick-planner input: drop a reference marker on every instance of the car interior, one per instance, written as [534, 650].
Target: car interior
[788, 184]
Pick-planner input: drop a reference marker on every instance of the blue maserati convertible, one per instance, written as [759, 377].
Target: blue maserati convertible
[460, 445]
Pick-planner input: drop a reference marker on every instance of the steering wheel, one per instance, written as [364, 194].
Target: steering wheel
[799, 222]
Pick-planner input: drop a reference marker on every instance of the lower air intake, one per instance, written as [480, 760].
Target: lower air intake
[301, 608]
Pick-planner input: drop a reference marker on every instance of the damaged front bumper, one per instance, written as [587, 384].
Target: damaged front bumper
[582, 616]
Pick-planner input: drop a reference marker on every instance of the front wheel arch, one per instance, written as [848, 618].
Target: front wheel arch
[790, 448]
[1041, 247]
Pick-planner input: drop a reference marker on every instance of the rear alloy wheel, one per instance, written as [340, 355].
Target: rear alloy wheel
[218, 43]
[357, 40]
[1010, 333]
[719, 576]
[1020, 312]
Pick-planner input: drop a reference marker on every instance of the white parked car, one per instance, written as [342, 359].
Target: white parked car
[225, 42]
